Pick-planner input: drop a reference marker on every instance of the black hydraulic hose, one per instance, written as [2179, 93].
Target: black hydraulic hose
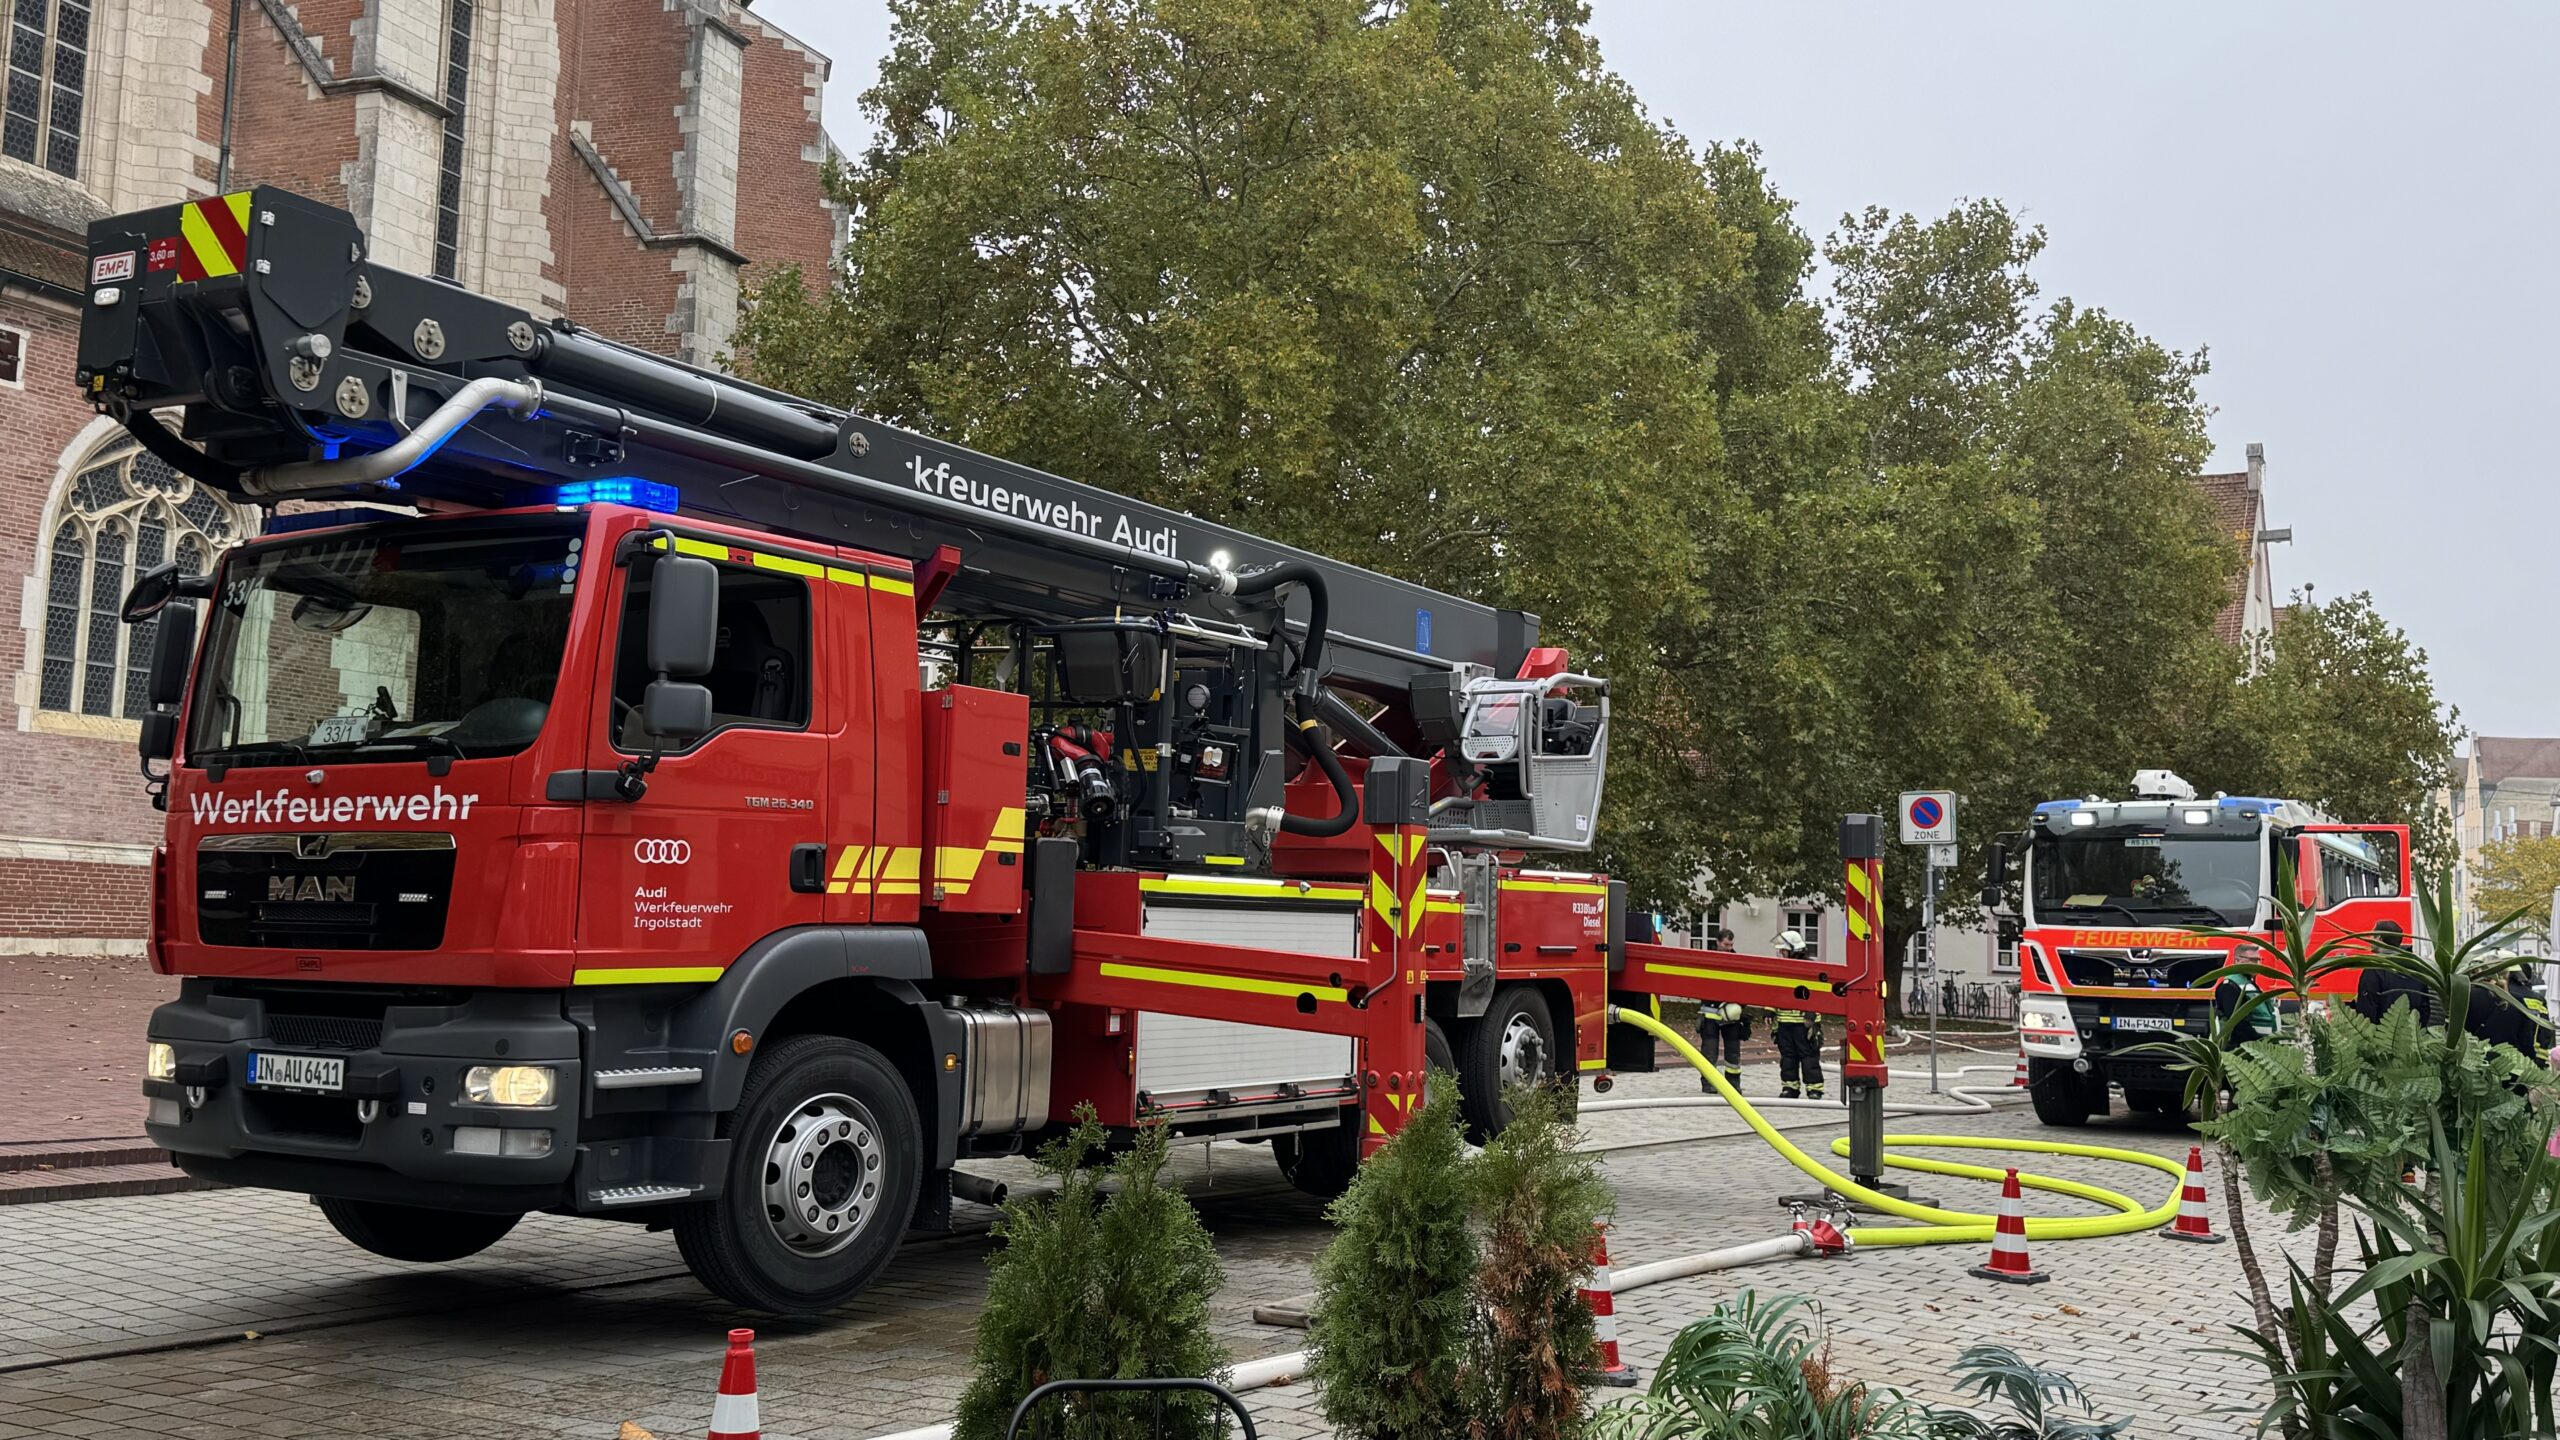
[177, 454]
[1347, 802]
[1264, 578]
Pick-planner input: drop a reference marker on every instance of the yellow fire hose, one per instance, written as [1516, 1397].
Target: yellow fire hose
[1946, 1227]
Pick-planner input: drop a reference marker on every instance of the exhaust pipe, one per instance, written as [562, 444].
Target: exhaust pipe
[978, 1189]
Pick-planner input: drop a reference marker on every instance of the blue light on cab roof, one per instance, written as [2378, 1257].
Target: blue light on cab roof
[2053, 807]
[617, 490]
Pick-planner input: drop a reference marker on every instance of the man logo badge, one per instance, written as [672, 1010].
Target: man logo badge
[662, 852]
[298, 889]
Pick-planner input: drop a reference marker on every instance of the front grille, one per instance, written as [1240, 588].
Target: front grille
[2165, 970]
[324, 1032]
[316, 915]
[324, 891]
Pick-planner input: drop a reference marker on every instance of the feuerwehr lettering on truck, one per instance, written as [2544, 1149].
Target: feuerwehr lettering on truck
[1067, 515]
[281, 806]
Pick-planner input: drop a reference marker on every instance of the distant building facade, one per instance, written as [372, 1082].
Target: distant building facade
[630, 164]
[2504, 788]
[2239, 504]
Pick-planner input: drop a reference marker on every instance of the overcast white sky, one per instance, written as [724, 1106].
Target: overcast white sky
[2353, 206]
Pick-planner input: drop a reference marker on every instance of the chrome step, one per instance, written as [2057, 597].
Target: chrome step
[641, 1195]
[646, 1076]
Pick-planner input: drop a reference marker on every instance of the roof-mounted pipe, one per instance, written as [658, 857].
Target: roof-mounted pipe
[376, 467]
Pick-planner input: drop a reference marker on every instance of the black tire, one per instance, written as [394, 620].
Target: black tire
[1437, 1055]
[1321, 1162]
[836, 1113]
[2059, 1096]
[1519, 1016]
[405, 1232]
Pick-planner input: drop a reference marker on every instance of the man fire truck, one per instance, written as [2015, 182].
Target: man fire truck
[616, 789]
[2111, 897]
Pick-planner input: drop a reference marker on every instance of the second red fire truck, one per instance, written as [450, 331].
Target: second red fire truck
[2112, 894]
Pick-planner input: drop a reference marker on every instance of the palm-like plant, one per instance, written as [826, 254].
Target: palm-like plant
[1754, 1369]
[2042, 1404]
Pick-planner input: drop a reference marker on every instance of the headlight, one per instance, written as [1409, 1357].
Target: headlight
[159, 1062]
[2045, 1015]
[528, 1087]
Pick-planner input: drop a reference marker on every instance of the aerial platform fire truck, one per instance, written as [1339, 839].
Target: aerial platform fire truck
[611, 788]
[2112, 895]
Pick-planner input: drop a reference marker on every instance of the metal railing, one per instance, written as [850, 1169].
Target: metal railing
[1156, 1389]
[1954, 997]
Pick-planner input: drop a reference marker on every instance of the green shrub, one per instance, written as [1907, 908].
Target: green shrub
[1755, 1369]
[1089, 1286]
[1530, 1350]
[1390, 1320]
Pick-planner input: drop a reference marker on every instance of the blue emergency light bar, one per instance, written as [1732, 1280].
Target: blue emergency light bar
[617, 490]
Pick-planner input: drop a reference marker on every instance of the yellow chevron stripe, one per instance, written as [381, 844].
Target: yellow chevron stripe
[1203, 980]
[1857, 925]
[785, 564]
[1859, 884]
[649, 975]
[210, 255]
[1734, 976]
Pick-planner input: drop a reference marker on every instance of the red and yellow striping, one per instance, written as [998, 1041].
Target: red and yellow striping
[213, 237]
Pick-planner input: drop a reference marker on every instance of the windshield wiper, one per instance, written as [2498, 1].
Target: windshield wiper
[285, 751]
[437, 746]
[2124, 910]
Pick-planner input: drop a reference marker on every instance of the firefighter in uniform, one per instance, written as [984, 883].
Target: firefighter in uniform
[1799, 1037]
[1724, 1025]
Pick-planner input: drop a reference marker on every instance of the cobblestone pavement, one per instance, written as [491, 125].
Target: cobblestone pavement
[568, 1328]
[72, 1069]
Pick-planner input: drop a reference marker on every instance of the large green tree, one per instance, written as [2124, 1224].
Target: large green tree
[1422, 285]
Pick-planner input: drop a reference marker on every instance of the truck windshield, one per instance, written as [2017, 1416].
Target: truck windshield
[386, 645]
[2113, 874]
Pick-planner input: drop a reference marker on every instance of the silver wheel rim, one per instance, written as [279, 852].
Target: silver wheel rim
[822, 1175]
[1523, 1053]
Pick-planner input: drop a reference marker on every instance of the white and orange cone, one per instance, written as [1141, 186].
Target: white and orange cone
[733, 1414]
[1600, 1295]
[2194, 1222]
[2018, 1081]
[2009, 1260]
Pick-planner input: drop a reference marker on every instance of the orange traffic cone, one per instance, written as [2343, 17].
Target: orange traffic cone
[2194, 1222]
[2009, 1241]
[2018, 1081]
[1600, 1295]
[733, 1414]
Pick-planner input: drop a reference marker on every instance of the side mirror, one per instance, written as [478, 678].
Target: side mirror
[676, 710]
[158, 586]
[173, 646]
[1995, 875]
[159, 734]
[684, 616]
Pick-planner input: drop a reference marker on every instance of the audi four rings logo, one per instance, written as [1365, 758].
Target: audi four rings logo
[662, 852]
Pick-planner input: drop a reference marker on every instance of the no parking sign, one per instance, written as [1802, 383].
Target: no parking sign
[1929, 817]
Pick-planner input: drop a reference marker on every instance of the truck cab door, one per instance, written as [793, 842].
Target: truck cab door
[2356, 881]
[724, 846]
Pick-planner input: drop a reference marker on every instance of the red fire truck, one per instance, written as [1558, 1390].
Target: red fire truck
[2112, 894]
[611, 788]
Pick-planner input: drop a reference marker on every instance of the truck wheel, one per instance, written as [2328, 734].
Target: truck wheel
[1437, 1057]
[405, 1232]
[2060, 1097]
[824, 1150]
[1514, 1041]
[1321, 1162]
